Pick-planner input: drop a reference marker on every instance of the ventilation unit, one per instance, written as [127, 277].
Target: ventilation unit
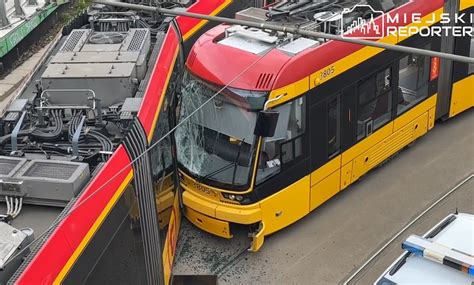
[42, 182]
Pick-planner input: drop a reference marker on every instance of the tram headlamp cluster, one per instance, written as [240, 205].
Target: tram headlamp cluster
[233, 197]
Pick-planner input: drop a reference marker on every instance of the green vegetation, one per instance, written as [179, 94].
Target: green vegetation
[76, 8]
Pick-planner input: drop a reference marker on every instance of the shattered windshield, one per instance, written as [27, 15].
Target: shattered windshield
[216, 144]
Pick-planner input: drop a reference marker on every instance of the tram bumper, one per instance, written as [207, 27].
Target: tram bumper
[239, 214]
[208, 224]
[216, 218]
[257, 238]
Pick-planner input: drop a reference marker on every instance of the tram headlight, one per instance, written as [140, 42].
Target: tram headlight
[241, 199]
[232, 197]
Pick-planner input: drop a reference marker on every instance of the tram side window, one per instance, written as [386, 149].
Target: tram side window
[375, 103]
[160, 154]
[334, 126]
[413, 84]
[287, 143]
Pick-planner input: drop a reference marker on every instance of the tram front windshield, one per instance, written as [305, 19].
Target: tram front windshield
[216, 145]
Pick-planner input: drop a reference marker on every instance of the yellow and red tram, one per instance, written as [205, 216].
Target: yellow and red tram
[342, 110]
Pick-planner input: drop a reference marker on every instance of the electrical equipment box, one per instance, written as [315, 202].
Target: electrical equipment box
[12, 241]
[104, 65]
[42, 182]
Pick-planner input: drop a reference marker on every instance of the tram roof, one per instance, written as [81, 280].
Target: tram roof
[222, 53]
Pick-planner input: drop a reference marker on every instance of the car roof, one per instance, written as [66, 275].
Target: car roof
[457, 235]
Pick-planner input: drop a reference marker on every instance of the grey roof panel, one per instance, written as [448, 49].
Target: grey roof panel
[84, 70]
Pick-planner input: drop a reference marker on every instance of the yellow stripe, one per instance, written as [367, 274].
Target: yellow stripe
[163, 95]
[198, 26]
[289, 92]
[466, 4]
[349, 62]
[296, 89]
[93, 229]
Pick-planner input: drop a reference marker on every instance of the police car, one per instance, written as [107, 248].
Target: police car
[445, 255]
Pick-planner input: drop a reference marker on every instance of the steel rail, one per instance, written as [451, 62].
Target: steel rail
[292, 30]
[464, 181]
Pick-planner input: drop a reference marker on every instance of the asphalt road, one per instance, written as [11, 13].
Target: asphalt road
[328, 245]
[462, 198]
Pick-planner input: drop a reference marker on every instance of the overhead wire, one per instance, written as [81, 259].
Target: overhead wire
[294, 30]
[230, 21]
[122, 170]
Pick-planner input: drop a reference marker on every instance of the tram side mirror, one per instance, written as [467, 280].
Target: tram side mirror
[266, 123]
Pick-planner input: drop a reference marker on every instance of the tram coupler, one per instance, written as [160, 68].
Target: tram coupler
[257, 237]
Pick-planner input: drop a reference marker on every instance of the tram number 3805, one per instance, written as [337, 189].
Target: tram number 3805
[327, 72]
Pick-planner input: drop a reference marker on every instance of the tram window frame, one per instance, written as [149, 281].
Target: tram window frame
[337, 135]
[162, 166]
[296, 144]
[422, 82]
[291, 143]
[374, 94]
[163, 161]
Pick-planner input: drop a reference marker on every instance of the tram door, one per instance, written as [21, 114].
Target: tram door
[462, 97]
[325, 149]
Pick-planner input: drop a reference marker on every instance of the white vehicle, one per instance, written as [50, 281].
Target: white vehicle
[444, 255]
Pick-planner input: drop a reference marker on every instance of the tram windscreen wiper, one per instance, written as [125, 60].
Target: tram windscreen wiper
[237, 160]
[228, 166]
[215, 172]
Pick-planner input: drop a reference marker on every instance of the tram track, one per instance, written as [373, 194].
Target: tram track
[222, 271]
[200, 253]
[359, 273]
